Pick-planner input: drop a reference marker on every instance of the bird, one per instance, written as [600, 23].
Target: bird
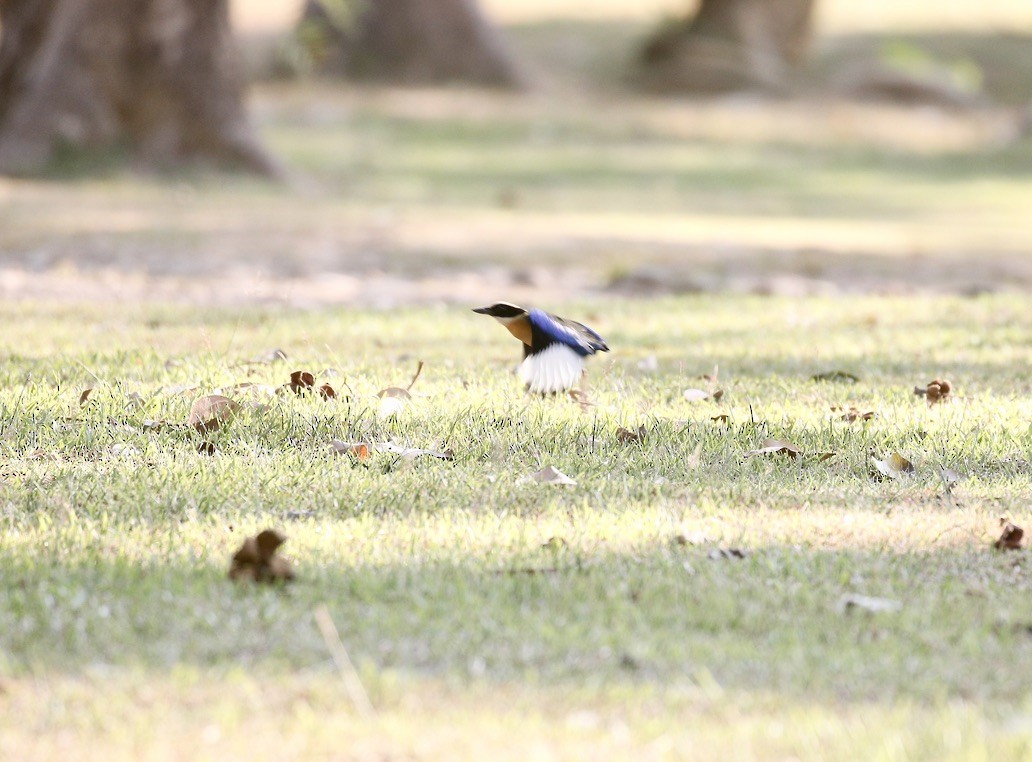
[554, 348]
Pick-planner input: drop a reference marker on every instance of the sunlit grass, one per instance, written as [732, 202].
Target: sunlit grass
[465, 622]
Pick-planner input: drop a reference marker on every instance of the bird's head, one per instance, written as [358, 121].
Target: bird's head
[502, 311]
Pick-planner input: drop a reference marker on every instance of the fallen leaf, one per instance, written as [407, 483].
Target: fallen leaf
[852, 602]
[393, 398]
[206, 448]
[722, 418]
[1011, 537]
[853, 415]
[359, 450]
[258, 561]
[398, 392]
[209, 414]
[935, 391]
[894, 466]
[85, 395]
[392, 401]
[840, 376]
[717, 395]
[626, 436]
[552, 475]
[301, 381]
[327, 392]
[776, 447]
[823, 456]
[727, 553]
[695, 395]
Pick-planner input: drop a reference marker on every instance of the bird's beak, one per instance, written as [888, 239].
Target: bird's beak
[482, 310]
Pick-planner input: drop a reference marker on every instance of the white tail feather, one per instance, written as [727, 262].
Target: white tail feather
[554, 369]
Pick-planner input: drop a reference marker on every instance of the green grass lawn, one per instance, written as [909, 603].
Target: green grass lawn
[685, 598]
[488, 613]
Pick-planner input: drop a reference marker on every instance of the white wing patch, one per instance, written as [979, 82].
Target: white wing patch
[554, 369]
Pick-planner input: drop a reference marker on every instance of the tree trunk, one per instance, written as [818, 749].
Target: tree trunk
[159, 75]
[410, 42]
[730, 45]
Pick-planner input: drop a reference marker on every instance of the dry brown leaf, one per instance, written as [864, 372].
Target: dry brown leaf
[893, 466]
[206, 448]
[258, 561]
[852, 415]
[359, 450]
[1011, 537]
[776, 447]
[362, 450]
[85, 395]
[301, 381]
[209, 414]
[722, 418]
[626, 436]
[717, 395]
[327, 392]
[935, 391]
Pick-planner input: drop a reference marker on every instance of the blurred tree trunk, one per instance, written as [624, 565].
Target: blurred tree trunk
[159, 75]
[730, 45]
[410, 42]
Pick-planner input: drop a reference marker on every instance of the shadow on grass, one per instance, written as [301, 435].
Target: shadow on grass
[663, 614]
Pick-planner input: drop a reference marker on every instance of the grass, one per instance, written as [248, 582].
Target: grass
[487, 614]
[716, 196]
[626, 640]
[581, 175]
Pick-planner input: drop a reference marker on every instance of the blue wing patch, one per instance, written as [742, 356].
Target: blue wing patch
[549, 329]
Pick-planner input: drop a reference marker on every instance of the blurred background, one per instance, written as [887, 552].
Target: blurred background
[409, 151]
